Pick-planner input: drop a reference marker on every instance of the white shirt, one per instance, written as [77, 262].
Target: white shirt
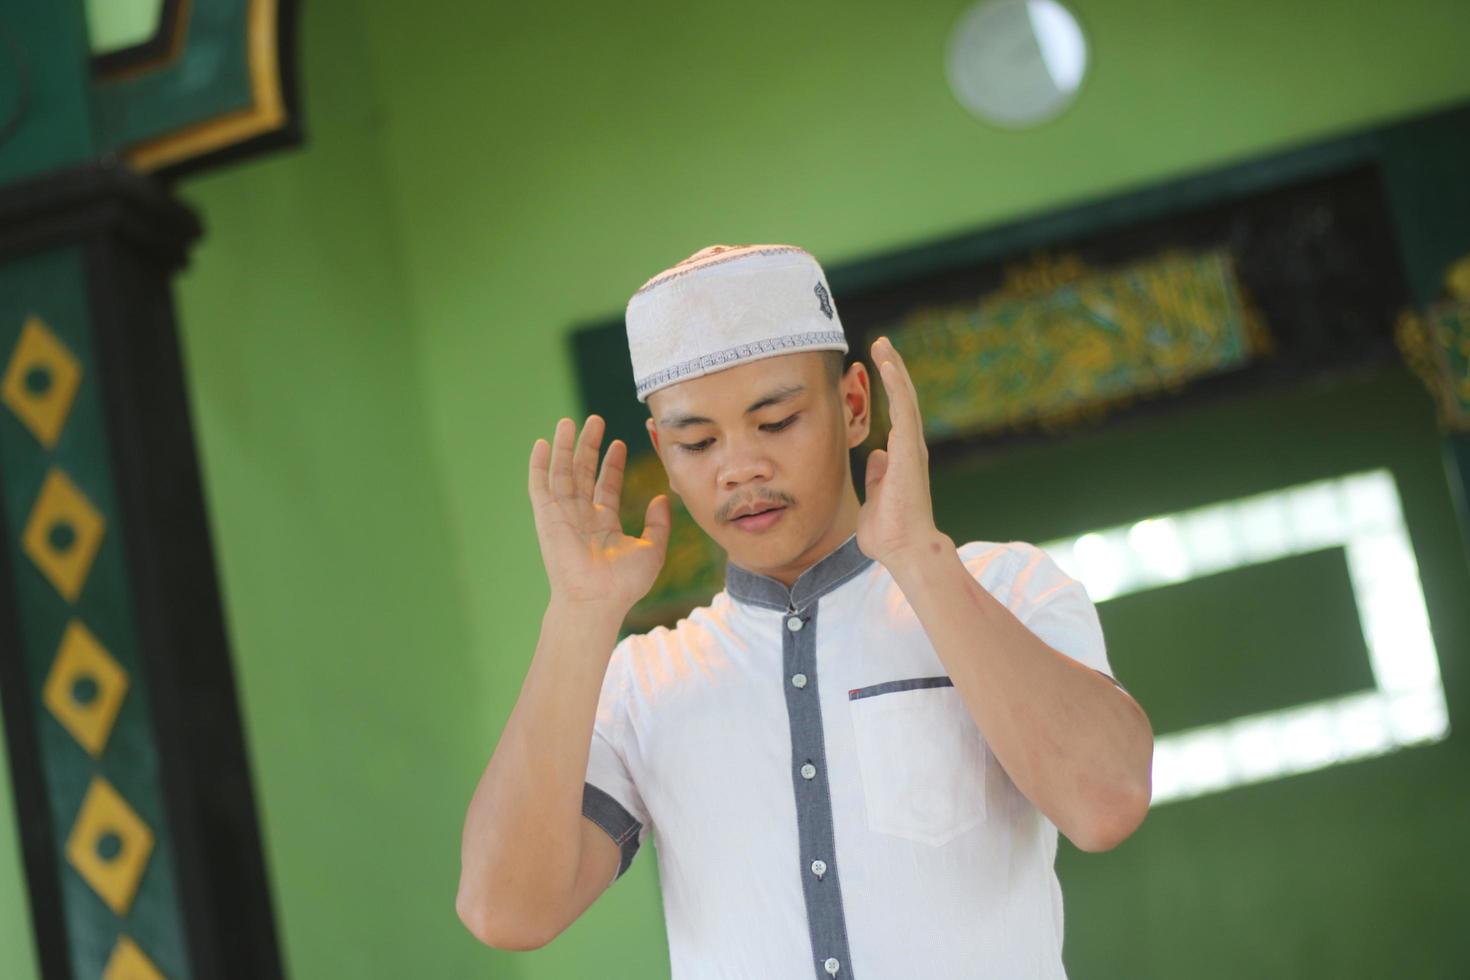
[821, 802]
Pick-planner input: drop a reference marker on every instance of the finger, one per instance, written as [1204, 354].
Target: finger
[900, 410]
[903, 399]
[609, 490]
[537, 483]
[908, 382]
[896, 381]
[584, 460]
[657, 519]
[562, 484]
[877, 466]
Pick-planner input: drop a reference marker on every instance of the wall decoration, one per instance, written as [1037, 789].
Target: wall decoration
[141, 845]
[1073, 349]
[1436, 344]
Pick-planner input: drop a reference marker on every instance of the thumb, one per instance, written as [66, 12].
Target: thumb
[877, 466]
[656, 522]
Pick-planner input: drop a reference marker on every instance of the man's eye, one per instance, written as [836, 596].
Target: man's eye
[778, 426]
[703, 444]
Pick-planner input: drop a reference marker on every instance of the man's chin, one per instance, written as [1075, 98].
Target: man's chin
[760, 553]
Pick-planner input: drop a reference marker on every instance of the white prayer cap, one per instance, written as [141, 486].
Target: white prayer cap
[725, 305]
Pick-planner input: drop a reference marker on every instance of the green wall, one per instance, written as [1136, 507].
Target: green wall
[375, 333]
[347, 614]
[17, 947]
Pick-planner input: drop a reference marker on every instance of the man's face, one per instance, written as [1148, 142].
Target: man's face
[771, 435]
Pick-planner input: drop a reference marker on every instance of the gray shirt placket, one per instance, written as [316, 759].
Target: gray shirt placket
[816, 838]
[819, 878]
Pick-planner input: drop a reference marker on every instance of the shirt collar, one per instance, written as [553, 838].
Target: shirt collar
[840, 564]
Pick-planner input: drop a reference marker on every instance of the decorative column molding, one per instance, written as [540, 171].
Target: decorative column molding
[131, 781]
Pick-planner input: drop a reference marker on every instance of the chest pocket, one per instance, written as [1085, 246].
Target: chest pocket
[921, 757]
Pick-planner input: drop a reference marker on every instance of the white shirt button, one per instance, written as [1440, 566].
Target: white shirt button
[794, 623]
[798, 680]
[808, 770]
[832, 966]
[819, 867]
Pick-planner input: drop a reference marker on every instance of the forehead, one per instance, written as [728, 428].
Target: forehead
[731, 391]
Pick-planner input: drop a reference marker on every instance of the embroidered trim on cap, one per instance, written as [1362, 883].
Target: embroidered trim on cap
[674, 273]
[668, 375]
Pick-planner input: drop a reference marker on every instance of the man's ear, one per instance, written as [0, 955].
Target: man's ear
[857, 403]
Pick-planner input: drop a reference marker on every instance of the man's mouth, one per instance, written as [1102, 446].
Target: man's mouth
[760, 520]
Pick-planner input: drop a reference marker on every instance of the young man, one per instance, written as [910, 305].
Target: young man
[856, 758]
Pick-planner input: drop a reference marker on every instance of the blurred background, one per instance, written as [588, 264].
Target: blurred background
[389, 304]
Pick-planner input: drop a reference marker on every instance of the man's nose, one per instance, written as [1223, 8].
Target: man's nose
[744, 464]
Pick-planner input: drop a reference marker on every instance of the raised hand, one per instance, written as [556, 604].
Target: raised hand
[587, 556]
[897, 517]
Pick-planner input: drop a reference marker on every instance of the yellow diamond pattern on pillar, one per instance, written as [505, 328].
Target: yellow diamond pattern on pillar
[109, 845]
[62, 534]
[85, 688]
[128, 962]
[41, 381]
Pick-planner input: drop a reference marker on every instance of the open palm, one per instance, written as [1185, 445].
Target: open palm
[587, 556]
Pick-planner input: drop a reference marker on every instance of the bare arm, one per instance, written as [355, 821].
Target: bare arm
[522, 878]
[530, 863]
[1072, 741]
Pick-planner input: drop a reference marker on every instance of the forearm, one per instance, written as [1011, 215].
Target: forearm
[1077, 746]
[522, 835]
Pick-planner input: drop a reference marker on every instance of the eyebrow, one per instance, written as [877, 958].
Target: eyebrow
[781, 394]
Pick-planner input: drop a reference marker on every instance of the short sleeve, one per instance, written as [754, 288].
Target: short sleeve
[610, 797]
[1056, 608]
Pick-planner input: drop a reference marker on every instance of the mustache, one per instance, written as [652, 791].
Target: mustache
[773, 499]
